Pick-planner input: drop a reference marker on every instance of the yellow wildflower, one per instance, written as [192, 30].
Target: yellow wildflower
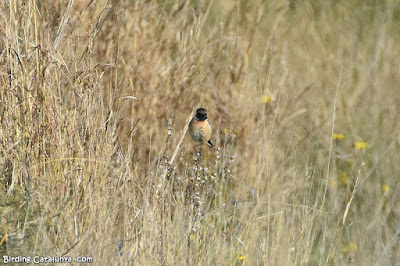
[266, 99]
[351, 247]
[337, 136]
[332, 183]
[226, 131]
[241, 257]
[343, 178]
[385, 187]
[359, 145]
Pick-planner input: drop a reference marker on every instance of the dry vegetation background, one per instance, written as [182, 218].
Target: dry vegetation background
[303, 97]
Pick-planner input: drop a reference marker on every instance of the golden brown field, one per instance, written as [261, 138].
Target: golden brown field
[303, 97]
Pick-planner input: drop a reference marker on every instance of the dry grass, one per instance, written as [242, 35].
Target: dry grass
[95, 96]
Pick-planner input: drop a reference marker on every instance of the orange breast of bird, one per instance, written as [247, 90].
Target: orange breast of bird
[202, 131]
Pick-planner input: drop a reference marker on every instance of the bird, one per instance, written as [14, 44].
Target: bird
[199, 128]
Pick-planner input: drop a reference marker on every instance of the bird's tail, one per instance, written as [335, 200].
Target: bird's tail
[210, 144]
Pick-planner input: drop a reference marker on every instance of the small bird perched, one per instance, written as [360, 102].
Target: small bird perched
[199, 127]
